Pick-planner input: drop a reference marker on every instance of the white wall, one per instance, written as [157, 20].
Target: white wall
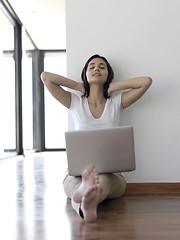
[139, 37]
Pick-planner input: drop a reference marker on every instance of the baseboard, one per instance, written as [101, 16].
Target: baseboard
[153, 188]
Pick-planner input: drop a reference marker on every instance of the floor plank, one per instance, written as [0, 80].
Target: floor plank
[33, 206]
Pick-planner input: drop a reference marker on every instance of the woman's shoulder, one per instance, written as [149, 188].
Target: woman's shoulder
[115, 96]
[115, 99]
[76, 99]
[76, 96]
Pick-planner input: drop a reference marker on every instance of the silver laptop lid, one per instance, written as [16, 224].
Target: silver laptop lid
[110, 150]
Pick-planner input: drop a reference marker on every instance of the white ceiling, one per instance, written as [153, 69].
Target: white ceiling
[44, 20]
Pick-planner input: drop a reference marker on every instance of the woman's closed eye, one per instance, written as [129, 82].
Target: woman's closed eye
[99, 67]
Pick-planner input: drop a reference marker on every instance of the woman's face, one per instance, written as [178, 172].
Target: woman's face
[97, 71]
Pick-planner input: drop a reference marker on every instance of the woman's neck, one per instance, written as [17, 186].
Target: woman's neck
[96, 96]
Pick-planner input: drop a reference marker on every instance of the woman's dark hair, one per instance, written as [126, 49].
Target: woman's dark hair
[108, 81]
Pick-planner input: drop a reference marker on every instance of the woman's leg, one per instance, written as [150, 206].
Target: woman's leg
[113, 185]
[92, 189]
[85, 193]
[71, 184]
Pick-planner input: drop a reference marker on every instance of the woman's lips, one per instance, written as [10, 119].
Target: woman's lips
[97, 74]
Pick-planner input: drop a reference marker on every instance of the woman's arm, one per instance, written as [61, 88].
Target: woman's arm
[138, 86]
[53, 82]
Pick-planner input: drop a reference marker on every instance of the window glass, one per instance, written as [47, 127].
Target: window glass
[56, 115]
[27, 102]
[7, 89]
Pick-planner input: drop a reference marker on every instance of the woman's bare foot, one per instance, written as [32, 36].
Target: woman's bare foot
[90, 177]
[90, 202]
[89, 193]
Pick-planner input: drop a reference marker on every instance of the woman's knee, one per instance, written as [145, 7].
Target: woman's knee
[113, 184]
[118, 185]
[71, 184]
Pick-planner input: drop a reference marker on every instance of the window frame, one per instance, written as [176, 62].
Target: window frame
[38, 87]
[11, 15]
[41, 94]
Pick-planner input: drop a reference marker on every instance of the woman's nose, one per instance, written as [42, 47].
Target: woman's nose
[96, 69]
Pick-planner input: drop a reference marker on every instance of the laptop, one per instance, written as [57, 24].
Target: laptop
[110, 150]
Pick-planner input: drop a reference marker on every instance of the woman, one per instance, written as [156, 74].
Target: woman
[99, 107]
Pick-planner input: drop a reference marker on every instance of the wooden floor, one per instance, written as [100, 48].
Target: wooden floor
[33, 206]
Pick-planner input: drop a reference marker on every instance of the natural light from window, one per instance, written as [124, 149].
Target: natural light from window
[56, 115]
[7, 89]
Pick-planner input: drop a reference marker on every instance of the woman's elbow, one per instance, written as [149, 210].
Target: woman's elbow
[148, 82]
[43, 76]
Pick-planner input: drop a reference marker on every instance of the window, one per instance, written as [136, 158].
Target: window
[27, 94]
[22, 96]
[7, 89]
[56, 116]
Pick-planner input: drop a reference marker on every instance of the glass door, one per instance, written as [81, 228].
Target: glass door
[7, 88]
[27, 92]
[56, 115]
